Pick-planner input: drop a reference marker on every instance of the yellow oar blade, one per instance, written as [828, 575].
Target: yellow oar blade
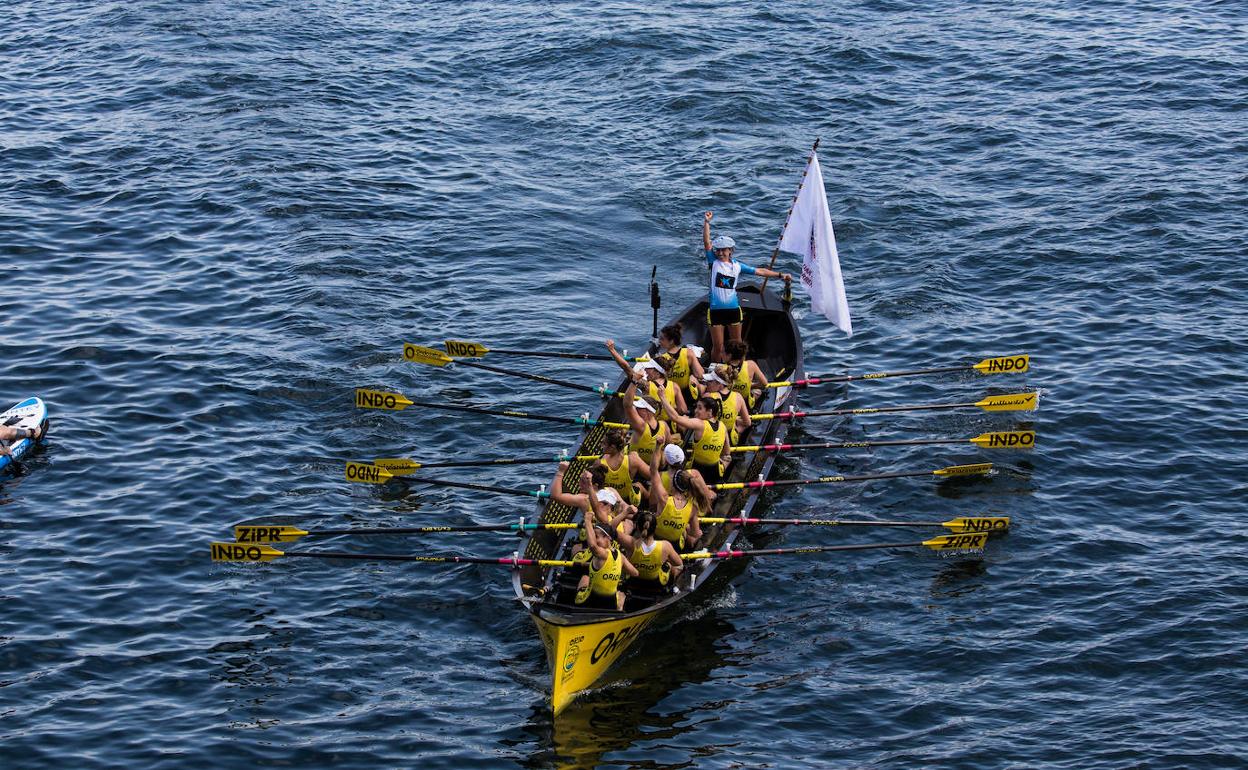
[1003, 365]
[461, 349]
[978, 524]
[243, 552]
[251, 533]
[380, 399]
[961, 542]
[1009, 439]
[1013, 402]
[422, 355]
[398, 466]
[364, 473]
[975, 469]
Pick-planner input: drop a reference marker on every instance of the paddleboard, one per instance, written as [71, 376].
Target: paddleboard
[25, 414]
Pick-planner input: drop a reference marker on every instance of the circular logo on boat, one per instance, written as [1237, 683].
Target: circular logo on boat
[574, 652]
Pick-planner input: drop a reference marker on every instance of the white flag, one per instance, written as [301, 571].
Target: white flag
[809, 233]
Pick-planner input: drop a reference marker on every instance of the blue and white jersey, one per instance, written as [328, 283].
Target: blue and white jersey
[724, 281]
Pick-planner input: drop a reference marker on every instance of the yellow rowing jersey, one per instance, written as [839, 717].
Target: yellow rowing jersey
[649, 563]
[730, 409]
[708, 447]
[605, 580]
[669, 388]
[741, 385]
[680, 369]
[620, 478]
[644, 444]
[673, 521]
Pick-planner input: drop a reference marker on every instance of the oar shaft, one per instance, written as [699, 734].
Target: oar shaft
[432, 530]
[824, 379]
[535, 377]
[820, 480]
[868, 410]
[741, 520]
[501, 413]
[848, 444]
[478, 487]
[552, 354]
[783, 551]
[508, 560]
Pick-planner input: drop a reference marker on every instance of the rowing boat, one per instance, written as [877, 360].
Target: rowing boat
[583, 643]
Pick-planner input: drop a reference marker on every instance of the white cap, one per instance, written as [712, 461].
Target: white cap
[673, 454]
[710, 376]
[723, 242]
[608, 495]
[641, 403]
[642, 366]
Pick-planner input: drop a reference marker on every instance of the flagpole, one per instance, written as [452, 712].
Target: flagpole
[776, 251]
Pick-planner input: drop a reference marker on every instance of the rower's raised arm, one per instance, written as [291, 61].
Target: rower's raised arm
[706, 231]
[619, 359]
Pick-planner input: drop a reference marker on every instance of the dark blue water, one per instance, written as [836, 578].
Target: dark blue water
[218, 221]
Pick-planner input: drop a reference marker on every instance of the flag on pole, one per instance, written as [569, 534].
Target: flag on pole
[809, 233]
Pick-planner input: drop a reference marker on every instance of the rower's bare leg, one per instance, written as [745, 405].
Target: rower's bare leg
[734, 333]
[619, 600]
[717, 344]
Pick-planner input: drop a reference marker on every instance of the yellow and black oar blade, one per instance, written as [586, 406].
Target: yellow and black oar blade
[364, 473]
[973, 469]
[964, 541]
[463, 349]
[1008, 439]
[419, 354]
[1013, 402]
[978, 524]
[1003, 365]
[381, 399]
[253, 533]
[244, 552]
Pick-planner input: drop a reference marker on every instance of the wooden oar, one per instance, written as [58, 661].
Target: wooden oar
[422, 355]
[976, 469]
[364, 473]
[963, 524]
[282, 533]
[1017, 439]
[1001, 365]
[380, 399]
[1008, 403]
[251, 552]
[960, 542]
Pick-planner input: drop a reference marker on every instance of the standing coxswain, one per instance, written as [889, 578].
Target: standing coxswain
[725, 309]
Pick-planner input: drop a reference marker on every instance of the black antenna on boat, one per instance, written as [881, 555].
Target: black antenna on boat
[655, 302]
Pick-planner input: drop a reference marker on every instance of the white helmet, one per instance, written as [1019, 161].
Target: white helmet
[723, 242]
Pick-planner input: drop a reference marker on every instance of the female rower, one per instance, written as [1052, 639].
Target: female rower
[657, 561]
[749, 381]
[725, 309]
[711, 443]
[622, 466]
[648, 430]
[685, 369]
[604, 507]
[679, 511]
[732, 407]
[655, 374]
[600, 586]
